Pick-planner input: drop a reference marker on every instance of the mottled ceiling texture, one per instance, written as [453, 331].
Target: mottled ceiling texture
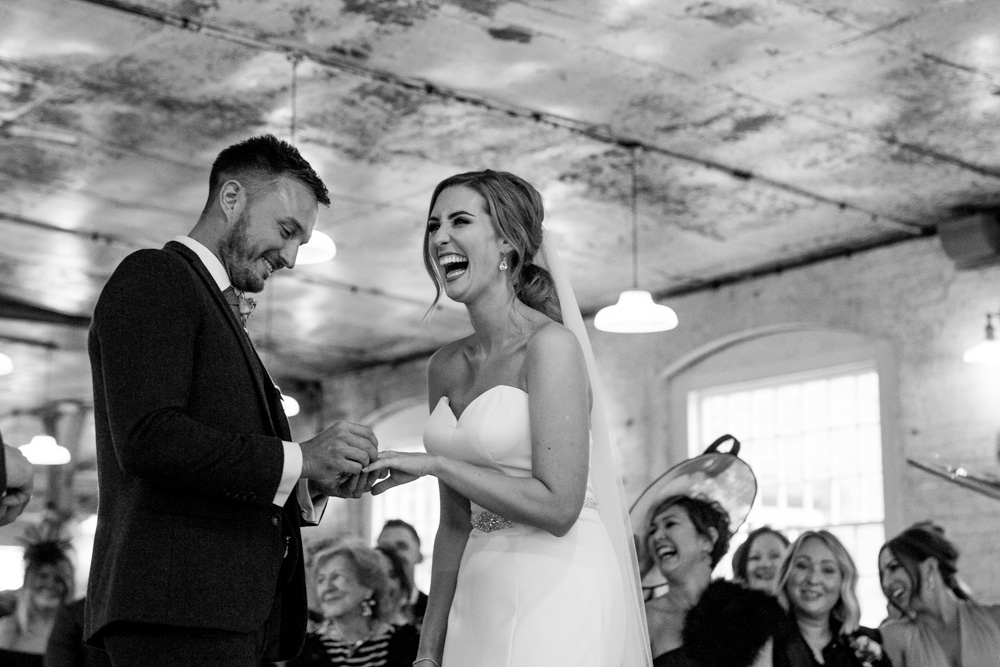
[764, 134]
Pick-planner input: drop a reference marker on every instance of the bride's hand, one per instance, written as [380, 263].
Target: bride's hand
[404, 466]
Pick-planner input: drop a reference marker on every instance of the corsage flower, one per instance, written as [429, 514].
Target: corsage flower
[866, 649]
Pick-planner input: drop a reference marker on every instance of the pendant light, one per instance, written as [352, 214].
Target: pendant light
[635, 311]
[987, 351]
[43, 450]
[321, 247]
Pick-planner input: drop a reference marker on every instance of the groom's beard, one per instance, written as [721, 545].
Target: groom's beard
[240, 257]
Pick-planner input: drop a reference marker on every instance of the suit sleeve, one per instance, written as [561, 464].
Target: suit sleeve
[146, 330]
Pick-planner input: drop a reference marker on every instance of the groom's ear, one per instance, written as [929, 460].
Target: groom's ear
[232, 199]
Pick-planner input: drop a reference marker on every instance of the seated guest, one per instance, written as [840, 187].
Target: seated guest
[48, 585]
[397, 600]
[402, 538]
[352, 587]
[686, 538]
[816, 584]
[687, 517]
[939, 625]
[756, 561]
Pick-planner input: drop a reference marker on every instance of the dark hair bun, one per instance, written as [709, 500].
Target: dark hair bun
[537, 289]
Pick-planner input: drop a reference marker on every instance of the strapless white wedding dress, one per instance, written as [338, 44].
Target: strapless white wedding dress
[524, 597]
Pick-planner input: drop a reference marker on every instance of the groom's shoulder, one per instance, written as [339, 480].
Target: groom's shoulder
[151, 263]
[145, 270]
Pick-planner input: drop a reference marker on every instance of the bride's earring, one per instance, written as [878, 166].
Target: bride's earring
[366, 607]
[503, 262]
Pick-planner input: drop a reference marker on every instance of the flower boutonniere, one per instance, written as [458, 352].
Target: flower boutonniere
[246, 308]
[867, 650]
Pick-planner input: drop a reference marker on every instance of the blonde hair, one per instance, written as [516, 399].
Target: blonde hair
[847, 610]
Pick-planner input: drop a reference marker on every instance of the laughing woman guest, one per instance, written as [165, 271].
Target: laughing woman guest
[816, 584]
[352, 585]
[48, 585]
[525, 570]
[940, 625]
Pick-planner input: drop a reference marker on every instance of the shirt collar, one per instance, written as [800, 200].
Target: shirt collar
[210, 261]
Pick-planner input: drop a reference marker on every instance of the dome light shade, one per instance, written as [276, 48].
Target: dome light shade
[635, 312]
[290, 405]
[986, 352]
[43, 450]
[320, 248]
[6, 365]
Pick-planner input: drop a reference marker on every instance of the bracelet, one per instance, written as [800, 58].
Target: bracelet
[430, 660]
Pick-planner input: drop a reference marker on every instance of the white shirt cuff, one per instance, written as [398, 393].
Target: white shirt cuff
[290, 472]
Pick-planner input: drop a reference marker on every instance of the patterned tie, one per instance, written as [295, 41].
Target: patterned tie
[233, 299]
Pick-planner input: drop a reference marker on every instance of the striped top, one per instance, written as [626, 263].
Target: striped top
[393, 646]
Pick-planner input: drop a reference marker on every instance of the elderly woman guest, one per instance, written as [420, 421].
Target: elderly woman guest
[352, 585]
[941, 625]
[48, 585]
[816, 584]
[756, 561]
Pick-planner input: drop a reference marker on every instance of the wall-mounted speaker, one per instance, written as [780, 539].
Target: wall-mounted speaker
[972, 242]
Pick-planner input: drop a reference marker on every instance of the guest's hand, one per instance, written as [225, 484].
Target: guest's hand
[334, 458]
[20, 482]
[405, 467]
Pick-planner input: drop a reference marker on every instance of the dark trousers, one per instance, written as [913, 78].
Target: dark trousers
[150, 645]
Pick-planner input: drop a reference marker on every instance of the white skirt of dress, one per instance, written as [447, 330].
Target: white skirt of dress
[526, 598]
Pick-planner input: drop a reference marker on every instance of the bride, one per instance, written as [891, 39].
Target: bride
[533, 561]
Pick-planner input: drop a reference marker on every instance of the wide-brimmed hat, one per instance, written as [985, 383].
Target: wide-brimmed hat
[720, 476]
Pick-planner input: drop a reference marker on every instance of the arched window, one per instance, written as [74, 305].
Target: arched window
[807, 408]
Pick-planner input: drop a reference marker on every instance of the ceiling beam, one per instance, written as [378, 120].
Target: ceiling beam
[14, 309]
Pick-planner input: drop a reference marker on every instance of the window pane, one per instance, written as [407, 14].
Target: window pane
[815, 446]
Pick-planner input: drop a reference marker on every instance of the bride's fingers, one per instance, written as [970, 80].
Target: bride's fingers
[382, 487]
[381, 464]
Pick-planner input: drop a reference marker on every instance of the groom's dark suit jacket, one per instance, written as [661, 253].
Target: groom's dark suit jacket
[189, 431]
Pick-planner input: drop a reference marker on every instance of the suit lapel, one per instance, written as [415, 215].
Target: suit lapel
[268, 396]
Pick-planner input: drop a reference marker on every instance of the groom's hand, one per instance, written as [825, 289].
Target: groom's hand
[334, 459]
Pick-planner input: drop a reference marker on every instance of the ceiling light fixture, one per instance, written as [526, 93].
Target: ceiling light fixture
[320, 248]
[6, 364]
[43, 450]
[987, 351]
[635, 311]
[290, 405]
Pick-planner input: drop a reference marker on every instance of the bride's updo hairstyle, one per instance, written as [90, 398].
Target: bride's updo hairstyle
[517, 212]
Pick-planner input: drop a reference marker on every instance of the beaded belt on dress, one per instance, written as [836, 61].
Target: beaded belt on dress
[487, 521]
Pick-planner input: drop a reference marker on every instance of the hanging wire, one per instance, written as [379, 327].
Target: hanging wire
[295, 59]
[635, 220]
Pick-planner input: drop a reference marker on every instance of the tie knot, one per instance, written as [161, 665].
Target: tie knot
[239, 304]
[232, 298]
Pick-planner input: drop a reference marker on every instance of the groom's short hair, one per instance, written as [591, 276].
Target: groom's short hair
[258, 162]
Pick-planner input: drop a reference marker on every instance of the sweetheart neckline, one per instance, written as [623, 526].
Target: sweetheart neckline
[458, 418]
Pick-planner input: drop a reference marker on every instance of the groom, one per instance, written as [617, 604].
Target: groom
[198, 557]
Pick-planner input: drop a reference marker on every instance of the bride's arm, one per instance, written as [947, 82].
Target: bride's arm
[552, 497]
[449, 545]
